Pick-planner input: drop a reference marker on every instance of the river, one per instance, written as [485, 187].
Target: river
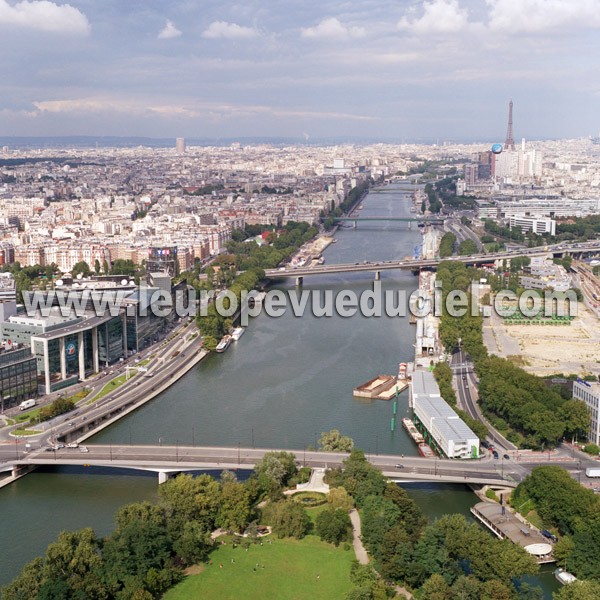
[283, 383]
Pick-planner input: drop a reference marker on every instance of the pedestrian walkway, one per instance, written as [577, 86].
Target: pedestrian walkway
[361, 554]
[315, 484]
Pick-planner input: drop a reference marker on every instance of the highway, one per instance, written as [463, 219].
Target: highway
[466, 386]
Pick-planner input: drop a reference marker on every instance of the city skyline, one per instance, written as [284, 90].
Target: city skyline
[443, 69]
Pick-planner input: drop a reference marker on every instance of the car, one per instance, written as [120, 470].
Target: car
[549, 535]
[83, 449]
[399, 466]
[485, 444]
[506, 457]
[464, 377]
[73, 445]
[49, 449]
[71, 424]
[496, 455]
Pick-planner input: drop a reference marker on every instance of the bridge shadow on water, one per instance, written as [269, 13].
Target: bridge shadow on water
[241, 474]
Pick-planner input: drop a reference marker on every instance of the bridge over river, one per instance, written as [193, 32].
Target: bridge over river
[416, 264]
[166, 460]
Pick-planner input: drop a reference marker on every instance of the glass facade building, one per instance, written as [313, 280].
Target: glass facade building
[18, 377]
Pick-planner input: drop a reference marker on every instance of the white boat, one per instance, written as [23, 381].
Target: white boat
[564, 577]
[237, 333]
[223, 344]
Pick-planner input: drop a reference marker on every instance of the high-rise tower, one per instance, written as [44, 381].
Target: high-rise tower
[509, 144]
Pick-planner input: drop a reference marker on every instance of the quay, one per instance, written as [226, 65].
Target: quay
[506, 525]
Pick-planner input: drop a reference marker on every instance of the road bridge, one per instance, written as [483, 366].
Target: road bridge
[433, 220]
[165, 460]
[416, 264]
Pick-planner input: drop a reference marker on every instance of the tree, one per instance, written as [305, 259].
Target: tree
[436, 588]
[194, 543]
[333, 525]
[27, 584]
[75, 559]
[447, 245]
[579, 590]
[234, 510]
[288, 519]
[190, 499]
[467, 247]
[576, 417]
[209, 342]
[334, 441]
[81, 267]
[97, 267]
[275, 469]
[132, 551]
[338, 498]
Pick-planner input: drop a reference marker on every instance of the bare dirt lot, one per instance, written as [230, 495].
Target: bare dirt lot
[546, 349]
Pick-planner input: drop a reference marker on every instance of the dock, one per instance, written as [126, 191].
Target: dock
[504, 524]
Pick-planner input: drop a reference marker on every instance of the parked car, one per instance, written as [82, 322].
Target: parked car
[506, 457]
[399, 466]
[549, 535]
[496, 455]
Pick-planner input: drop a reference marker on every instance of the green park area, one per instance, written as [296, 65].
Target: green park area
[287, 568]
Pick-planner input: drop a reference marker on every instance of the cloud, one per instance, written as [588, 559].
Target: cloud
[532, 16]
[169, 31]
[44, 16]
[232, 31]
[332, 28]
[214, 110]
[439, 16]
[101, 104]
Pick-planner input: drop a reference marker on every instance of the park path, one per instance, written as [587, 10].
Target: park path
[359, 549]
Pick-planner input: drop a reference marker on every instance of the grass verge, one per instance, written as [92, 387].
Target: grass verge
[26, 432]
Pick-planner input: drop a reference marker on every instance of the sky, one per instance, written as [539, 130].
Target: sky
[399, 70]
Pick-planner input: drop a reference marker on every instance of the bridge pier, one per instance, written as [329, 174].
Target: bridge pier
[377, 275]
[163, 477]
[299, 281]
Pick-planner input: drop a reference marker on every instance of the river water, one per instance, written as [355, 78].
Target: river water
[283, 383]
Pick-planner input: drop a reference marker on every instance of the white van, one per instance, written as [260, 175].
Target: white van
[27, 404]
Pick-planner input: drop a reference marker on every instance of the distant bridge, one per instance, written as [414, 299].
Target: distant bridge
[433, 220]
[166, 460]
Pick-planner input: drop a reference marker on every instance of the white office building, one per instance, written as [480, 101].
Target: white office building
[446, 429]
[539, 226]
[590, 394]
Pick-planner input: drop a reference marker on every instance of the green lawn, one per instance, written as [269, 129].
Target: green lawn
[290, 572]
[313, 512]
